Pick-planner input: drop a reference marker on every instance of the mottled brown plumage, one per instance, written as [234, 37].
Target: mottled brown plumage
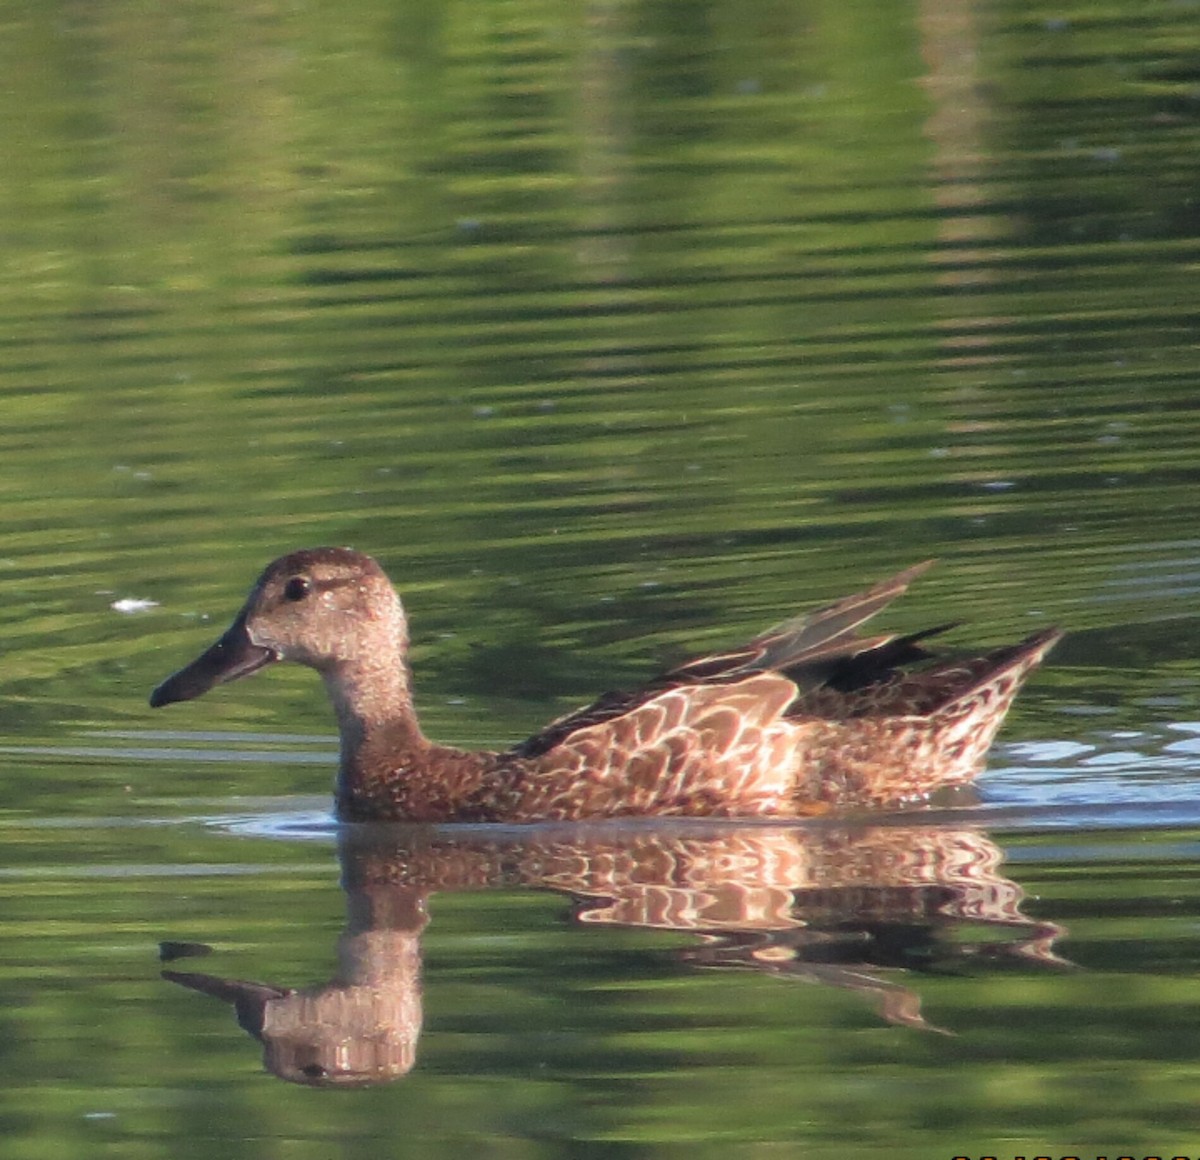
[805, 718]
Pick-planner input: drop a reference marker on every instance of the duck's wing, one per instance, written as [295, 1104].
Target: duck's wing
[821, 636]
[809, 651]
[984, 684]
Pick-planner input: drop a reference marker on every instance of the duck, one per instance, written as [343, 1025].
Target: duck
[806, 718]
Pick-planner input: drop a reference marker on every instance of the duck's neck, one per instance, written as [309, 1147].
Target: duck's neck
[388, 770]
[376, 720]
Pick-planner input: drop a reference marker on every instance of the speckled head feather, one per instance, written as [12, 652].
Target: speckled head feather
[323, 606]
[807, 717]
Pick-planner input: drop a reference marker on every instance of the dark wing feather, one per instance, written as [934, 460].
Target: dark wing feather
[813, 650]
[826, 633]
[879, 660]
[935, 689]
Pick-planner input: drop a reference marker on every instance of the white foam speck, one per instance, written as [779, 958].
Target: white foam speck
[128, 605]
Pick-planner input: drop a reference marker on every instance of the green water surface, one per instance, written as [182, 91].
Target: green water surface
[616, 331]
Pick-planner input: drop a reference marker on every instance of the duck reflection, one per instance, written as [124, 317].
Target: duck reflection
[837, 904]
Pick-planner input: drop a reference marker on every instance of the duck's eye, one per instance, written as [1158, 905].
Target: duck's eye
[297, 588]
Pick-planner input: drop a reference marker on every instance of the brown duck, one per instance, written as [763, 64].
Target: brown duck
[805, 718]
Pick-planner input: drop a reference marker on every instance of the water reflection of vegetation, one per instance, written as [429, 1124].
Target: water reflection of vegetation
[585, 305]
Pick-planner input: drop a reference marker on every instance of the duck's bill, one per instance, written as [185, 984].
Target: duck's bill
[234, 655]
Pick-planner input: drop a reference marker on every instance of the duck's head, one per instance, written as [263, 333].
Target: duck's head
[322, 607]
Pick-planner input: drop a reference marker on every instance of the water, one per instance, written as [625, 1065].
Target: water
[616, 332]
